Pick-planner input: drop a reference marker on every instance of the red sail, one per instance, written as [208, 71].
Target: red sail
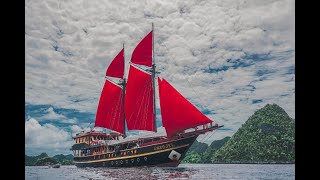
[110, 112]
[116, 68]
[177, 112]
[139, 100]
[142, 54]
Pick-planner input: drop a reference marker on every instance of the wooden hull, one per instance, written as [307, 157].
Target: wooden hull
[169, 154]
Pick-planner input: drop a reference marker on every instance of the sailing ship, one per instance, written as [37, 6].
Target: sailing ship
[131, 104]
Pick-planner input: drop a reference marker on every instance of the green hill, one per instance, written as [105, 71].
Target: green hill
[46, 161]
[267, 136]
[63, 157]
[198, 147]
[64, 160]
[217, 144]
[43, 160]
[202, 153]
[31, 160]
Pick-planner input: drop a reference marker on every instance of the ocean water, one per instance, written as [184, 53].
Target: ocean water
[183, 171]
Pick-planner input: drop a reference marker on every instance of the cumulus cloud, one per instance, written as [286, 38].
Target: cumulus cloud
[53, 116]
[76, 128]
[227, 57]
[46, 138]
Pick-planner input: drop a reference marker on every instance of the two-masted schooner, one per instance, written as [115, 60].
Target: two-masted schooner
[131, 103]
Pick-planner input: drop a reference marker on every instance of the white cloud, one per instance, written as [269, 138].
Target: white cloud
[76, 129]
[69, 44]
[46, 138]
[53, 116]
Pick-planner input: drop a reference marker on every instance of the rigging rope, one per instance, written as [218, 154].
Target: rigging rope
[212, 133]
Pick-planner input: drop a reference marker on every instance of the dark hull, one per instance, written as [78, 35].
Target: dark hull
[168, 154]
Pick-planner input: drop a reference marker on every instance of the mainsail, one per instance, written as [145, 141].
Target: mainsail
[110, 112]
[177, 112]
[139, 100]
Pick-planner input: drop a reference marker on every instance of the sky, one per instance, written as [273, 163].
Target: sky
[229, 58]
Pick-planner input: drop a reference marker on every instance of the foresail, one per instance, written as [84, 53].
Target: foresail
[177, 112]
[142, 54]
[139, 100]
[116, 68]
[110, 110]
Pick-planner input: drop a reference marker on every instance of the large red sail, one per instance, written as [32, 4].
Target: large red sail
[110, 112]
[142, 54]
[116, 68]
[139, 100]
[177, 112]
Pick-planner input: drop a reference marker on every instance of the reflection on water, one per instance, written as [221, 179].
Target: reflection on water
[184, 171]
[146, 173]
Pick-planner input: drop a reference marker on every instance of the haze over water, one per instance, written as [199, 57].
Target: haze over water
[184, 171]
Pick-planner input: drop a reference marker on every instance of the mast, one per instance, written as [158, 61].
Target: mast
[153, 83]
[123, 92]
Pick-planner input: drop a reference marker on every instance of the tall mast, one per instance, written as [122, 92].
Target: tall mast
[123, 92]
[153, 83]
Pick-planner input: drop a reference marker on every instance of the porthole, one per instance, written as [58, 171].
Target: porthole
[138, 159]
[132, 160]
[111, 162]
[121, 162]
[145, 158]
[116, 162]
[126, 161]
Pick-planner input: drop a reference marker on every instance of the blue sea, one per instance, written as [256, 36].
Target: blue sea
[183, 171]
